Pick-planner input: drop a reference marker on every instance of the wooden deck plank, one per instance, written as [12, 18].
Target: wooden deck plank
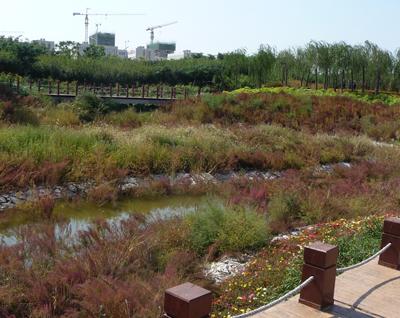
[368, 291]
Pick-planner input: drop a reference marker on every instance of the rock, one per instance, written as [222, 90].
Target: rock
[345, 165]
[185, 179]
[128, 183]
[72, 188]
[205, 178]
[224, 269]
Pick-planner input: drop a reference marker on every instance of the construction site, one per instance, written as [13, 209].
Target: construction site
[154, 51]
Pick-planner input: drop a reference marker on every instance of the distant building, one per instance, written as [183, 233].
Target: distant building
[49, 45]
[140, 52]
[123, 54]
[155, 51]
[102, 39]
[107, 41]
[160, 50]
[187, 54]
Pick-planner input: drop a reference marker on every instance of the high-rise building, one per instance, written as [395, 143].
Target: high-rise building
[155, 51]
[49, 45]
[140, 52]
[107, 41]
[160, 50]
[102, 39]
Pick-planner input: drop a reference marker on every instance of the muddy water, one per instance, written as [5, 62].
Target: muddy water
[79, 216]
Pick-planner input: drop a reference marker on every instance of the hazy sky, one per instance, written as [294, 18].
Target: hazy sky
[211, 26]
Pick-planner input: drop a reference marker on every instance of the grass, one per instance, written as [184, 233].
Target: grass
[33, 154]
[113, 270]
[304, 112]
[371, 98]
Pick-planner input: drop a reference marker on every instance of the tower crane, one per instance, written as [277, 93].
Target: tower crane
[87, 14]
[151, 29]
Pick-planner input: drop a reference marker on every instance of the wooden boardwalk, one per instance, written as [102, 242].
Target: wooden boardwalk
[368, 291]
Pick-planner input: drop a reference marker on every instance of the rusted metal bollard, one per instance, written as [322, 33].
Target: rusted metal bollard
[187, 301]
[319, 261]
[391, 234]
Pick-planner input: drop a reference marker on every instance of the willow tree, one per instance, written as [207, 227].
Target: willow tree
[261, 65]
[285, 60]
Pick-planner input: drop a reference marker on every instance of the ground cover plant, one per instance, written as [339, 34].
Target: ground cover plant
[300, 111]
[277, 269]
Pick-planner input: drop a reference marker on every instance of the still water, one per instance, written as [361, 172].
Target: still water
[80, 216]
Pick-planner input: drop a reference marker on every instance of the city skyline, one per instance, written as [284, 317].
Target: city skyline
[211, 27]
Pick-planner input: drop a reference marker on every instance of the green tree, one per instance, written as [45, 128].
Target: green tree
[94, 51]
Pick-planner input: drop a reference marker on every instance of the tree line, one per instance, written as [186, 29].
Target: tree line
[317, 64]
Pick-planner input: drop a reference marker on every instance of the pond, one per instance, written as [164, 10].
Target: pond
[79, 216]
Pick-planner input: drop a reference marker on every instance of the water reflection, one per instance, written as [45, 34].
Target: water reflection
[79, 217]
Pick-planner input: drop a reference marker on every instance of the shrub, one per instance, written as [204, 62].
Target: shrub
[61, 115]
[14, 113]
[284, 209]
[90, 106]
[228, 229]
[125, 119]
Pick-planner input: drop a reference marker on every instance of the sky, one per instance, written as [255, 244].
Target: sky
[210, 26]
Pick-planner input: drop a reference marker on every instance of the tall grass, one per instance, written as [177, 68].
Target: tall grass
[36, 153]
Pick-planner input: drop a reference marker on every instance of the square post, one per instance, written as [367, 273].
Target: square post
[187, 301]
[391, 234]
[319, 261]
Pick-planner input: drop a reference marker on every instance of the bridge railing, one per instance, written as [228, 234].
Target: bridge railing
[73, 89]
[318, 279]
